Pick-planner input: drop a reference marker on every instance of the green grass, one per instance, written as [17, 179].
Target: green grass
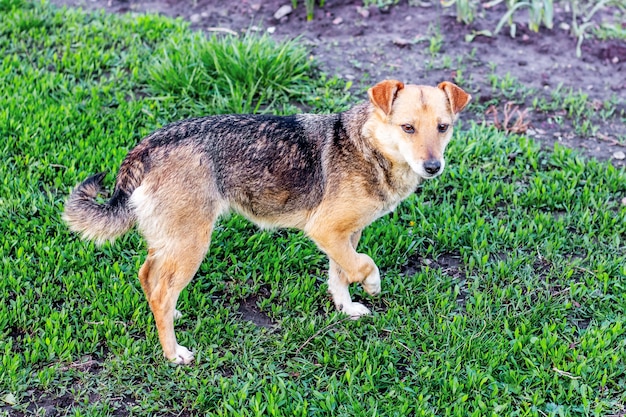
[504, 280]
[216, 73]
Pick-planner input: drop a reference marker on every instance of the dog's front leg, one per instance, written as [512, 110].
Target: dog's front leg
[347, 266]
[371, 283]
[338, 289]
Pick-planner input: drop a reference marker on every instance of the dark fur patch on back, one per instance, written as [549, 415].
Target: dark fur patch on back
[267, 163]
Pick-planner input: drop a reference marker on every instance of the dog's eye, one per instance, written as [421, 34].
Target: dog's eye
[408, 128]
[442, 127]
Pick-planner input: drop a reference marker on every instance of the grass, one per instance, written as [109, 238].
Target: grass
[504, 280]
[216, 72]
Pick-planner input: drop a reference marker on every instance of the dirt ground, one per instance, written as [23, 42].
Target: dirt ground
[365, 45]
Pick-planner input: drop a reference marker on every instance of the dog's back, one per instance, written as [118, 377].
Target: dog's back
[266, 166]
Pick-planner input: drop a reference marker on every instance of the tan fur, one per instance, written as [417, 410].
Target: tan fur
[329, 175]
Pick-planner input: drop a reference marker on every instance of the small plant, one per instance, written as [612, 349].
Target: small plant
[508, 87]
[511, 110]
[310, 7]
[575, 106]
[465, 9]
[539, 12]
[435, 42]
[608, 30]
[582, 14]
[381, 4]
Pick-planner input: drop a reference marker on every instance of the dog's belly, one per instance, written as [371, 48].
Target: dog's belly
[266, 197]
[294, 219]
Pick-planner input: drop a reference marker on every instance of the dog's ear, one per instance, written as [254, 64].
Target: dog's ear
[384, 93]
[458, 98]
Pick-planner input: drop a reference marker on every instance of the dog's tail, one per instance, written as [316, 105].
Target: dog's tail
[98, 221]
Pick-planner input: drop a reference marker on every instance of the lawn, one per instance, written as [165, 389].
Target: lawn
[504, 280]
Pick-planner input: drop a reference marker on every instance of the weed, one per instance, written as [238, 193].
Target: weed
[539, 12]
[310, 6]
[465, 9]
[508, 87]
[521, 123]
[575, 106]
[381, 4]
[610, 30]
[446, 62]
[582, 15]
[435, 42]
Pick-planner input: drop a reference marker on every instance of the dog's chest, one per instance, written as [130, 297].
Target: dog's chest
[404, 184]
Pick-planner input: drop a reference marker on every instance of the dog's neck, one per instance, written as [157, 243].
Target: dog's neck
[396, 173]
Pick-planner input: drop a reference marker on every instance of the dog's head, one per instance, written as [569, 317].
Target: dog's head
[413, 123]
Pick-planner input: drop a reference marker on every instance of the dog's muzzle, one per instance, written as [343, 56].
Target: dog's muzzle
[432, 166]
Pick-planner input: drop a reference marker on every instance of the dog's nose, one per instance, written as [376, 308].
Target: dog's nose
[432, 166]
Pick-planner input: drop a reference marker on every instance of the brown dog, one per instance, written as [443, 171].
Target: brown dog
[328, 175]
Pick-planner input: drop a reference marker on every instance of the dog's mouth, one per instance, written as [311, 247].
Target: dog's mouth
[429, 176]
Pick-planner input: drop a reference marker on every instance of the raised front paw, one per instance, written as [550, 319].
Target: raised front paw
[354, 310]
[182, 356]
[371, 284]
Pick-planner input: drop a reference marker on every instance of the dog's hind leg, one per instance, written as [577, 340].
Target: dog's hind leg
[178, 233]
[163, 276]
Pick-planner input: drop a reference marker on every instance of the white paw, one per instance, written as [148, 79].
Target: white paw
[183, 356]
[177, 314]
[355, 310]
[371, 284]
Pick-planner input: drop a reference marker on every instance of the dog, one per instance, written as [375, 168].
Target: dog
[328, 175]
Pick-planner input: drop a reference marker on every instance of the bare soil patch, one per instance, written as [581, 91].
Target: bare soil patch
[251, 312]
